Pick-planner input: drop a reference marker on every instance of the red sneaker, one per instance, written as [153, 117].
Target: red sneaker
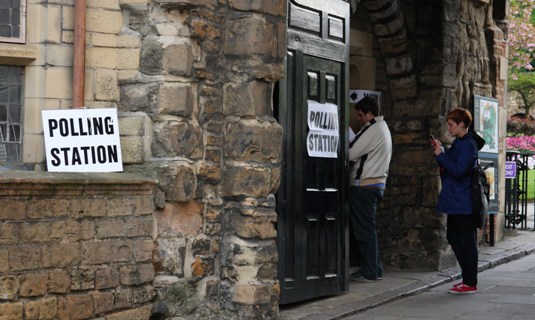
[458, 284]
[463, 289]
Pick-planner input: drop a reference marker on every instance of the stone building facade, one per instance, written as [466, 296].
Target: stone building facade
[193, 82]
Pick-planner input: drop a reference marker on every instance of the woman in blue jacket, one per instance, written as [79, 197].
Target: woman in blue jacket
[456, 165]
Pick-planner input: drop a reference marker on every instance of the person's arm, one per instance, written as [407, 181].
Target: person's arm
[464, 163]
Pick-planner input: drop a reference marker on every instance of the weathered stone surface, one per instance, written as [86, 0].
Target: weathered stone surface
[169, 257]
[180, 220]
[45, 309]
[249, 181]
[252, 294]
[137, 97]
[136, 275]
[177, 58]
[249, 36]
[33, 284]
[75, 307]
[176, 138]
[9, 287]
[175, 99]
[255, 141]
[274, 7]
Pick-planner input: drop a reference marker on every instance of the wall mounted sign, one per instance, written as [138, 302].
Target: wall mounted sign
[356, 95]
[82, 140]
[486, 122]
[324, 134]
[510, 169]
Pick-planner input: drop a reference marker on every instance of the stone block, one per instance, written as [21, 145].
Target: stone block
[128, 59]
[96, 252]
[61, 255]
[250, 140]
[273, 7]
[104, 21]
[132, 125]
[42, 309]
[10, 311]
[259, 223]
[82, 279]
[133, 149]
[59, 55]
[13, 210]
[94, 207]
[33, 284]
[110, 228]
[58, 83]
[39, 208]
[169, 257]
[237, 100]
[8, 233]
[75, 307]
[139, 227]
[98, 57]
[106, 85]
[175, 99]
[143, 250]
[177, 58]
[252, 294]
[180, 219]
[174, 138]
[103, 302]
[187, 3]
[135, 275]
[9, 287]
[107, 277]
[120, 206]
[250, 181]
[249, 36]
[58, 281]
[4, 260]
[23, 258]
[122, 250]
[140, 313]
[137, 97]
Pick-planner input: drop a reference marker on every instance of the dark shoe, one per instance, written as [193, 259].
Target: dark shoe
[360, 277]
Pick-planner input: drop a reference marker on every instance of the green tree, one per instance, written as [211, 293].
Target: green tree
[521, 40]
[524, 84]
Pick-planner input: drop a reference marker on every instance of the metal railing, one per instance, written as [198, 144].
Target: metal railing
[516, 192]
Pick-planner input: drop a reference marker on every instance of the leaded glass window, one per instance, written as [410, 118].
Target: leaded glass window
[11, 79]
[12, 20]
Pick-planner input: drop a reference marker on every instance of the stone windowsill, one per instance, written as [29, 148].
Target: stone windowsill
[17, 54]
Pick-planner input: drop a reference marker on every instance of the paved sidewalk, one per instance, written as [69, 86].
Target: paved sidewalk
[399, 284]
[506, 292]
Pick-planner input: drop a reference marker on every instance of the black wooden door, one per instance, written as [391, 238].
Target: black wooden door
[311, 203]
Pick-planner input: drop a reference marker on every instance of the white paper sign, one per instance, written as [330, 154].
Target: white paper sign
[324, 133]
[82, 140]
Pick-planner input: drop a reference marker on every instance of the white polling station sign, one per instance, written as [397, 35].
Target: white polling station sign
[82, 140]
[323, 134]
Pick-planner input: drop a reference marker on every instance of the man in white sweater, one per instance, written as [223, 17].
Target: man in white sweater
[369, 155]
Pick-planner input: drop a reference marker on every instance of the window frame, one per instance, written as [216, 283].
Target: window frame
[22, 36]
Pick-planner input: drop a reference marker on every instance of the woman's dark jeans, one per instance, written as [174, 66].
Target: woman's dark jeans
[462, 237]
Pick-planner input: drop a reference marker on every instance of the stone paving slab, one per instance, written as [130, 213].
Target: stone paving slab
[398, 284]
[506, 292]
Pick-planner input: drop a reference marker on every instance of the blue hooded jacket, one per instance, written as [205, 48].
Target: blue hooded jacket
[456, 166]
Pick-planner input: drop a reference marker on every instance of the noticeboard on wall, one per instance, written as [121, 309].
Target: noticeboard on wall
[486, 125]
[486, 122]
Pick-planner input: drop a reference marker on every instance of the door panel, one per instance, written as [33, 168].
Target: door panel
[313, 223]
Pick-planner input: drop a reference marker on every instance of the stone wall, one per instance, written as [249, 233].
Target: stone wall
[432, 56]
[203, 93]
[75, 246]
